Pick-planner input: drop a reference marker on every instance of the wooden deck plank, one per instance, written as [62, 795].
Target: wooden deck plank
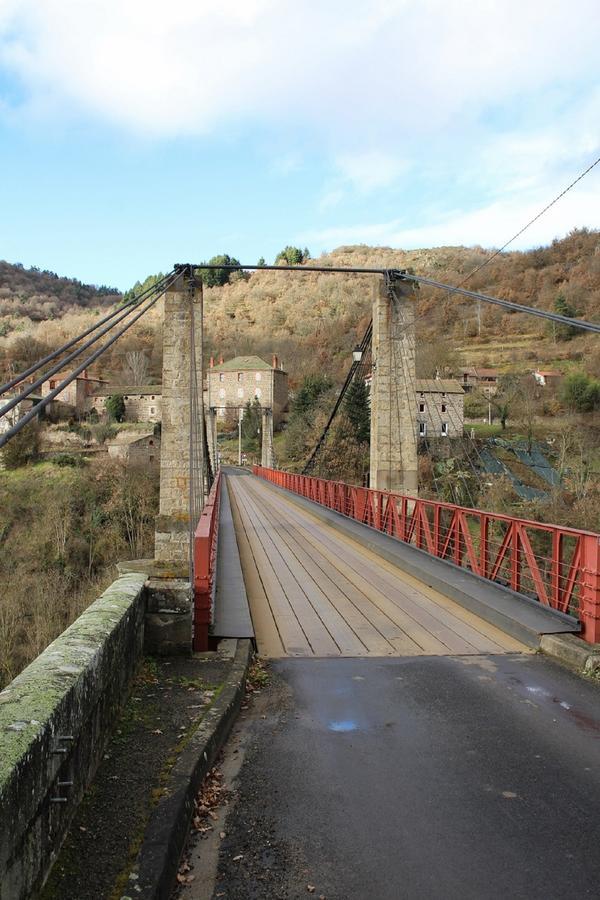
[293, 638]
[268, 638]
[409, 637]
[361, 636]
[314, 591]
[485, 637]
[409, 612]
[318, 637]
[370, 619]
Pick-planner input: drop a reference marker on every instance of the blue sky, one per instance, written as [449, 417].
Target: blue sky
[135, 134]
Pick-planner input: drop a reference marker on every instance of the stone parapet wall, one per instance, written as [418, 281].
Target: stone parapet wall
[55, 718]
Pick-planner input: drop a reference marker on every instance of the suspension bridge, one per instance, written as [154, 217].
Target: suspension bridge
[315, 569]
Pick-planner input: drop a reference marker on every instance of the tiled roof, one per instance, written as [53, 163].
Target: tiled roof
[131, 437]
[438, 386]
[242, 364]
[136, 389]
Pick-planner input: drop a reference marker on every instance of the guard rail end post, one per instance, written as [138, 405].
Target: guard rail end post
[589, 611]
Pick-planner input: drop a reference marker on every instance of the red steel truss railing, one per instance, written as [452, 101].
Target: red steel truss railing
[560, 567]
[205, 566]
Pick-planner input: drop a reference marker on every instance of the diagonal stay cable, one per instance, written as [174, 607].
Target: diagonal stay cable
[4, 438]
[55, 353]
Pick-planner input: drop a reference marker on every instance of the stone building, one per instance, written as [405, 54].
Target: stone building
[548, 377]
[486, 380]
[143, 403]
[139, 449]
[440, 408]
[74, 397]
[244, 378]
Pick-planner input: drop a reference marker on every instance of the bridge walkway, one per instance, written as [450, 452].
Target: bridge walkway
[315, 592]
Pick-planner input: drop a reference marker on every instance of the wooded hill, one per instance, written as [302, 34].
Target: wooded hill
[40, 295]
[312, 321]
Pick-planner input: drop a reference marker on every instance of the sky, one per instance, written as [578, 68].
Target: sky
[135, 134]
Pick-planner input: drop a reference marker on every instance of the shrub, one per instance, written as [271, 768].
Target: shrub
[580, 392]
[67, 459]
[23, 448]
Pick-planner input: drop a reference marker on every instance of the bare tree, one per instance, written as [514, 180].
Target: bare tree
[135, 368]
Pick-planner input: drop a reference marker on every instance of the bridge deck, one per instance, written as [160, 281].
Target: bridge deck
[314, 592]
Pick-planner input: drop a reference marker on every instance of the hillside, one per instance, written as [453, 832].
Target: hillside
[312, 321]
[39, 295]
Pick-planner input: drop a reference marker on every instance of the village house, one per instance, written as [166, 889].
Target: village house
[547, 377]
[139, 449]
[485, 380]
[72, 400]
[143, 403]
[440, 408]
[240, 380]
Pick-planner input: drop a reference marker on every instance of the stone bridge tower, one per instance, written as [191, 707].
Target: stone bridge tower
[179, 467]
[393, 396]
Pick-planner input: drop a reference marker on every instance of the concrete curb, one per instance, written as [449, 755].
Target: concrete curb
[153, 875]
[573, 652]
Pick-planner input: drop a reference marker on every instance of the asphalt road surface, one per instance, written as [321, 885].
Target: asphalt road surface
[423, 777]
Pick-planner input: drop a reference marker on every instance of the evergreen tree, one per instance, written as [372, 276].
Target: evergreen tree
[252, 426]
[563, 308]
[261, 262]
[356, 407]
[115, 407]
[218, 277]
[292, 256]
[309, 393]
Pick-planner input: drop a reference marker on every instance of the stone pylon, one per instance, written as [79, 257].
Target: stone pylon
[266, 456]
[178, 467]
[393, 397]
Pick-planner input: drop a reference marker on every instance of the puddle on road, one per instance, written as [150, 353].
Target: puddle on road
[344, 725]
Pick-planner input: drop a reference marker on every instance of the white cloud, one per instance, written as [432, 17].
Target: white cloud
[384, 67]
[489, 226]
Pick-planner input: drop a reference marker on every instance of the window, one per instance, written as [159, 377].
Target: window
[222, 393]
[52, 384]
[422, 429]
[240, 376]
[258, 376]
[151, 442]
[257, 393]
[151, 458]
[152, 398]
[444, 429]
[240, 392]
[151, 410]
[421, 407]
[443, 393]
[443, 407]
[221, 376]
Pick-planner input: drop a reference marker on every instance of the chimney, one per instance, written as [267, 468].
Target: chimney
[212, 362]
[274, 361]
[221, 360]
